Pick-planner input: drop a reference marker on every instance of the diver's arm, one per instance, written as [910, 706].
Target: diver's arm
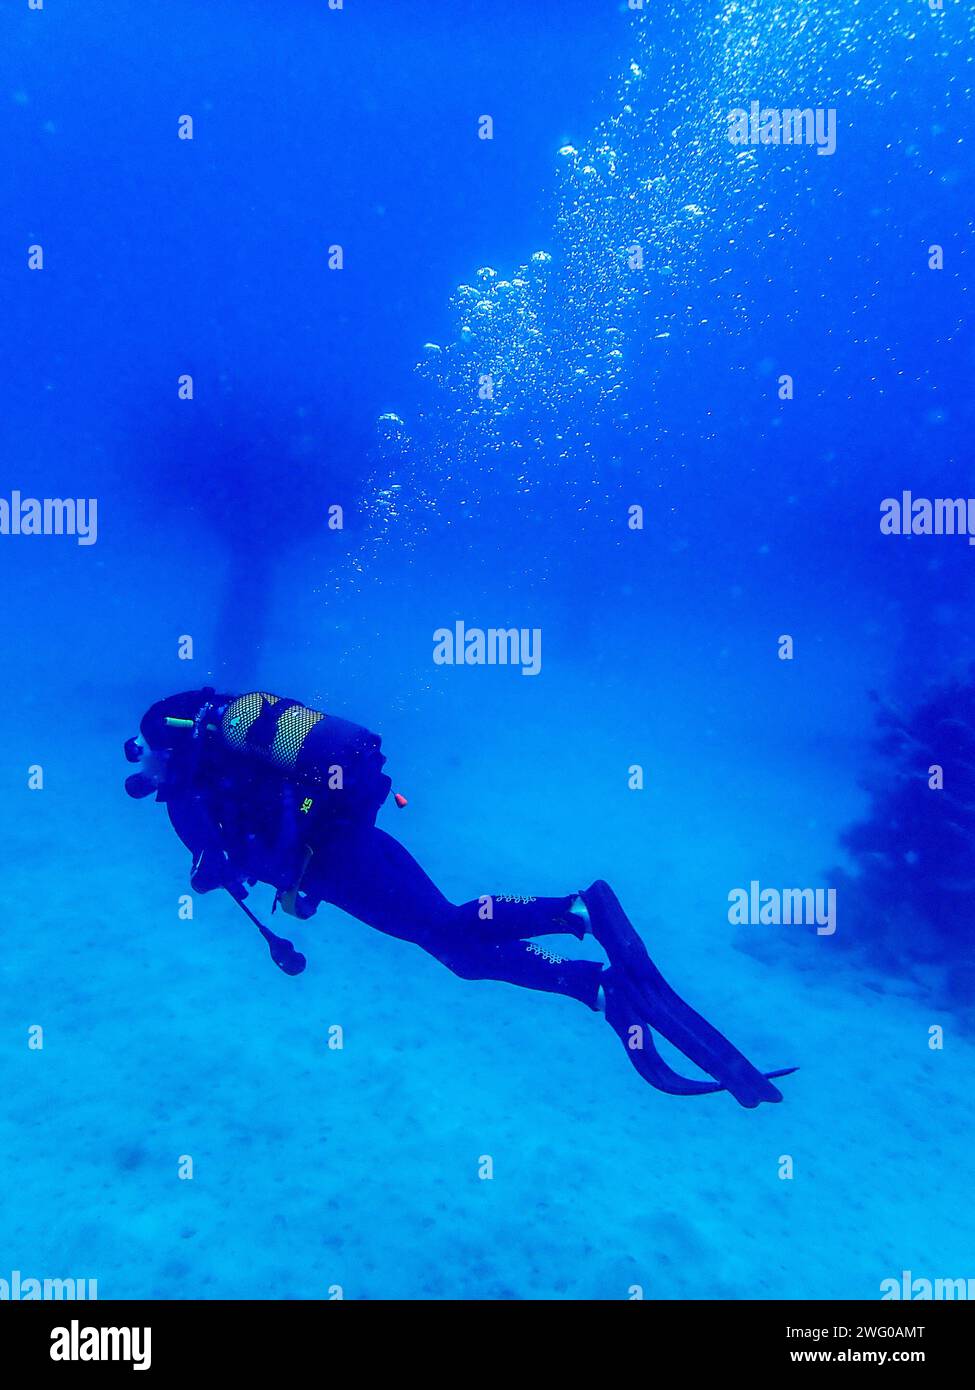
[200, 832]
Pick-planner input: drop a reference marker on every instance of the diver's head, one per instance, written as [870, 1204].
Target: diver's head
[168, 741]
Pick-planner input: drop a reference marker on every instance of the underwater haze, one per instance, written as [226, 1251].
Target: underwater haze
[350, 323]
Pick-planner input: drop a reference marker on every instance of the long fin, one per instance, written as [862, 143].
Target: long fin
[649, 1063]
[652, 1067]
[653, 1002]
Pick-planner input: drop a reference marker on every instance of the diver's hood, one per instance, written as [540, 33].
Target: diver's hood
[186, 707]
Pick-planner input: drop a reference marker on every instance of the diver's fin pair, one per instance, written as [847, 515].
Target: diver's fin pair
[627, 1013]
[638, 997]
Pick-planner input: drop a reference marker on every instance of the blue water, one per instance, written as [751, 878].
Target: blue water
[656, 386]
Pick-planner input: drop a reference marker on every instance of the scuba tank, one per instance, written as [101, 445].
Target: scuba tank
[340, 759]
[338, 763]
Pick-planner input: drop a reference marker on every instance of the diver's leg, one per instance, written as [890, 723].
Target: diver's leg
[367, 867]
[505, 917]
[371, 876]
[523, 963]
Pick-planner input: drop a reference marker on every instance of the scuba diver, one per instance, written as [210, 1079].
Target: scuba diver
[264, 789]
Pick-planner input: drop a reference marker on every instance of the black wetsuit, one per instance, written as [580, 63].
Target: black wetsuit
[246, 823]
[371, 876]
